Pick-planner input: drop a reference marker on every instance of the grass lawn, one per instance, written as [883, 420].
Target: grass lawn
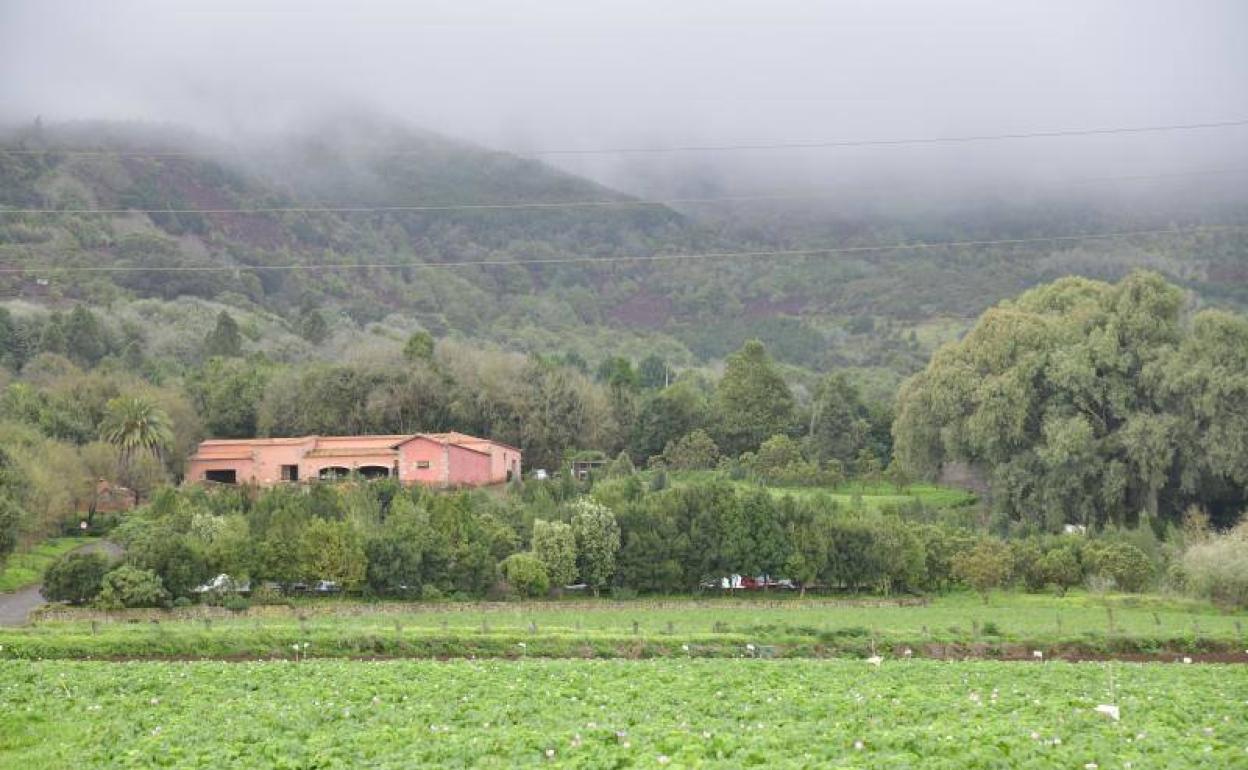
[23, 569]
[712, 627]
[874, 495]
[655, 713]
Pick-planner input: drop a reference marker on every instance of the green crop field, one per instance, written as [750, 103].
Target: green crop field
[674, 713]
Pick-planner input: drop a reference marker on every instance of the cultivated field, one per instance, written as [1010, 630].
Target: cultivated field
[674, 713]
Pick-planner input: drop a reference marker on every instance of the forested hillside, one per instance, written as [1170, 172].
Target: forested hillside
[876, 314]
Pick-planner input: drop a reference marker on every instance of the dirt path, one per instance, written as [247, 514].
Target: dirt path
[16, 606]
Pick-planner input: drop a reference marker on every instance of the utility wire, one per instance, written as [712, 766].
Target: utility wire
[741, 147]
[610, 259]
[895, 142]
[538, 205]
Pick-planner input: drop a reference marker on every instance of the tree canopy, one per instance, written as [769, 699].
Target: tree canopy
[1089, 402]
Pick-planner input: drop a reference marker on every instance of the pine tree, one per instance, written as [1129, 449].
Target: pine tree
[224, 340]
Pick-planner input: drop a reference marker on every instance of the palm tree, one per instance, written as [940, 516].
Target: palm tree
[135, 426]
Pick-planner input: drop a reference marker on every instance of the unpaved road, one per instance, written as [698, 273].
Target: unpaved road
[16, 606]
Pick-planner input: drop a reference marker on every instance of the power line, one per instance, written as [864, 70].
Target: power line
[538, 205]
[895, 142]
[638, 258]
[736, 147]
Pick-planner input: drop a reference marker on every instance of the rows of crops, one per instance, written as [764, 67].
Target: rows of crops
[689, 713]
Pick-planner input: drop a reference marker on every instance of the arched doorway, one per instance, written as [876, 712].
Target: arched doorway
[333, 473]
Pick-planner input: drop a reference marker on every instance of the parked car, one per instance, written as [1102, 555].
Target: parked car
[540, 474]
[224, 584]
[326, 587]
[748, 583]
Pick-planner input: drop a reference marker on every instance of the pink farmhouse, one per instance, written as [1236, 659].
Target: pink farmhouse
[432, 459]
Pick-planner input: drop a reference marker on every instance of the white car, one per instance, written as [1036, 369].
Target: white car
[540, 474]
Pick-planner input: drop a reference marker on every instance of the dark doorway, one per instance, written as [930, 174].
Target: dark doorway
[222, 477]
[374, 471]
[334, 473]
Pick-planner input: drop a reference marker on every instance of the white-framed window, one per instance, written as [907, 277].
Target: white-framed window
[422, 465]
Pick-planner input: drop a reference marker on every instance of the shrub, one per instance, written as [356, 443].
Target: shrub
[182, 602]
[267, 594]
[129, 586]
[779, 460]
[1217, 568]
[236, 603]
[75, 577]
[526, 574]
[1128, 566]
[1060, 567]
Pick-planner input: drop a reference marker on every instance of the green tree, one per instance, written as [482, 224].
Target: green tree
[1087, 402]
[666, 416]
[621, 467]
[555, 544]
[168, 553]
[1129, 567]
[227, 392]
[332, 550]
[526, 574]
[141, 431]
[8, 340]
[752, 402]
[86, 340]
[419, 347]
[897, 476]
[986, 566]
[312, 325]
[653, 372]
[597, 541]
[75, 578]
[10, 524]
[867, 466]
[839, 422]
[401, 552]
[553, 414]
[779, 460]
[617, 372]
[224, 340]
[135, 424]
[1060, 568]
[695, 451]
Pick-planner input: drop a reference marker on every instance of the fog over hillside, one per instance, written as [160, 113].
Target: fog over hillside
[540, 76]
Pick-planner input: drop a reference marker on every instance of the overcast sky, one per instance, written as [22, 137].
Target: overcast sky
[555, 74]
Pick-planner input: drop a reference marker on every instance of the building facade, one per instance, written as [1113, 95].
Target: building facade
[432, 459]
